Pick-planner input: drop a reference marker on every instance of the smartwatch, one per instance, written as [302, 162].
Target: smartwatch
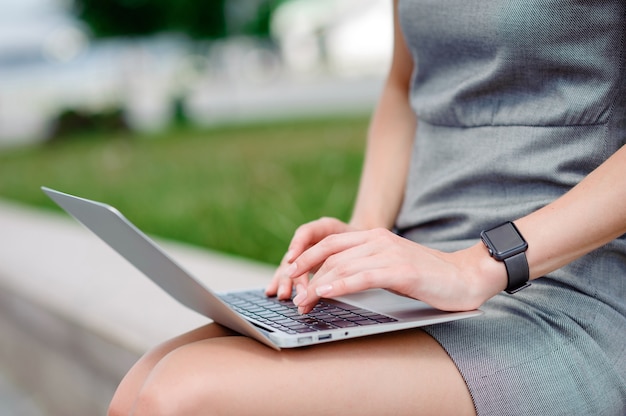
[506, 244]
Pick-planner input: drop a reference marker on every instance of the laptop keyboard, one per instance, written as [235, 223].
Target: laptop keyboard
[283, 314]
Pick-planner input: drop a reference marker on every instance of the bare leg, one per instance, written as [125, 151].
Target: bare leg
[403, 373]
[130, 386]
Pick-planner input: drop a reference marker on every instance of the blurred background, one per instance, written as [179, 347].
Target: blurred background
[143, 64]
[221, 124]
[255, 108]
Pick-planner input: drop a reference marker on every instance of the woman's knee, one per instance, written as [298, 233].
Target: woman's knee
[132, 384]
[120, 407]
[178, 386]
[152, 401]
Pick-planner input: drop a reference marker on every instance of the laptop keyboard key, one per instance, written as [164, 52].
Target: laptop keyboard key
[283, 314]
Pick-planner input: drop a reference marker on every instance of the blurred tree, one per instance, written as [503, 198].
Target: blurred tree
[199, 19]
[122, 17]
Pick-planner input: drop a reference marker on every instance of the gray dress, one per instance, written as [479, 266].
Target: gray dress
[517, 102]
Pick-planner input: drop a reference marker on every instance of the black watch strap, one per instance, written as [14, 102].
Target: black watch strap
[506, 244]
[517, 272]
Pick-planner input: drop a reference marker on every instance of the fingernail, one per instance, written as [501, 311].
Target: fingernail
[290, 270]
[299, 298]
[300, 310]
[288, 256]
[323, 290]
[282, 291]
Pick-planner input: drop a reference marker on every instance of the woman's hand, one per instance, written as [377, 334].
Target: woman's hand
[348, 262]
[306, 236]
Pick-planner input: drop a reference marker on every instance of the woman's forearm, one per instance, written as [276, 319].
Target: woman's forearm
[590, 215]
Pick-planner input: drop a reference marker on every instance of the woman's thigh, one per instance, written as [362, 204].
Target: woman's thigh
[403, 373]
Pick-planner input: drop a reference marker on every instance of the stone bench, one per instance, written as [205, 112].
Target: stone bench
[74, 315]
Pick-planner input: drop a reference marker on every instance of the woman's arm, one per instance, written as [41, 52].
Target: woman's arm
[588, 216]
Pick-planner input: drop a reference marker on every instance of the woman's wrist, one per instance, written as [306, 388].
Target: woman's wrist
[366, 224]
[487, 276]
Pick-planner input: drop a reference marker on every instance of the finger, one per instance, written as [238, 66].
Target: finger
[348, 277]
[318, 254]
[366, 266]
[301, 294]
[313, 232]
[281, 283]
[272, 288]
[351, 284]
[279, 286]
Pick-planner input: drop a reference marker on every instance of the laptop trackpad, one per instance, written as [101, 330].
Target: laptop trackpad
[387, 303]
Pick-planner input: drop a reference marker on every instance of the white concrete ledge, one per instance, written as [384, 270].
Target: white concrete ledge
[74, 314]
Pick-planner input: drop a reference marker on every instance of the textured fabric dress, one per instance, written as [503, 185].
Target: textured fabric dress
[517, 101]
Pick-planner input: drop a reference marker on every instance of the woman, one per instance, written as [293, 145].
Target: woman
[522, 117]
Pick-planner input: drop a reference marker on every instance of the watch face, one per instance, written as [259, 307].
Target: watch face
[505, 241]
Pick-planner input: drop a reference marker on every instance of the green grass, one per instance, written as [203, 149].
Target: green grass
[239, 189]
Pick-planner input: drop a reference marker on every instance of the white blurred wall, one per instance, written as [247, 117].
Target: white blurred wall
[345, 37]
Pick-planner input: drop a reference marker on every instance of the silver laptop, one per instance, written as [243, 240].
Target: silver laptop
[273, 322]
